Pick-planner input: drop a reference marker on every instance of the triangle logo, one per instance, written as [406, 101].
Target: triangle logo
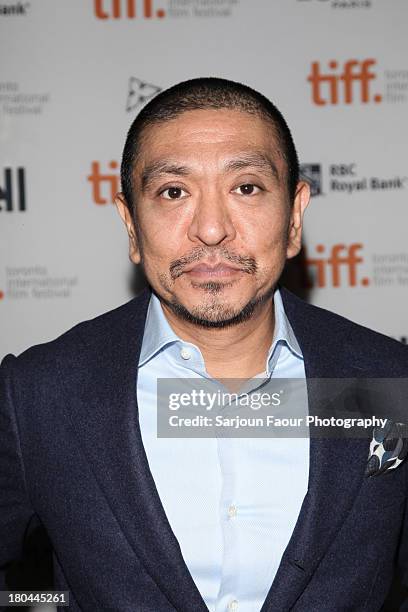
[139, 93]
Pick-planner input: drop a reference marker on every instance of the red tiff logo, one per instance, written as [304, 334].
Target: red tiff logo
[128, 9]
[337, 269]
[105, 185]
[349, 84]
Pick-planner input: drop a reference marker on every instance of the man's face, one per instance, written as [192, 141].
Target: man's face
[214, 222]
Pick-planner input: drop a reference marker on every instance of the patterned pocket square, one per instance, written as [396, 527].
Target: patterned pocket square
[388, 448]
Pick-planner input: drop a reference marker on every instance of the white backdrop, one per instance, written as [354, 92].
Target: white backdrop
[74, 74]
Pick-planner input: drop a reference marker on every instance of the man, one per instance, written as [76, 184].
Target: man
[213, 206]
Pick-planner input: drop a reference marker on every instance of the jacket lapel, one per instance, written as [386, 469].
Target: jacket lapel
[336, 465]
[104, 414]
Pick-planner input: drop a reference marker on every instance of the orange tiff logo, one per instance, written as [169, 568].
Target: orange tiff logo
[105, 185]
[350, 83]
[129, 9]
[337, 269]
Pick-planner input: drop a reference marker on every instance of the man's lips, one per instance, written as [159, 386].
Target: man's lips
[219, 270]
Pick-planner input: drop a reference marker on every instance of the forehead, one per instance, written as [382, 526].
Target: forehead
[214, 132]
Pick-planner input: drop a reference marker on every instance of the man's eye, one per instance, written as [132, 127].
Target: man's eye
[247, 189]
[173, 193]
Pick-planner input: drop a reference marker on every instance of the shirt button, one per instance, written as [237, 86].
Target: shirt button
[232, 511]
[233, 605]
[185, 353]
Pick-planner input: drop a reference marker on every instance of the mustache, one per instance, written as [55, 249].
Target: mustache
[246, 263]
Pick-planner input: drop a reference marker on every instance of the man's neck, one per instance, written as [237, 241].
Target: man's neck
[238, 351]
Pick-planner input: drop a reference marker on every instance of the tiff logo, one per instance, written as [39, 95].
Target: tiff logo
[105, 185]
[129, 9]
[352, 81]
[8, 194]
[327, 270]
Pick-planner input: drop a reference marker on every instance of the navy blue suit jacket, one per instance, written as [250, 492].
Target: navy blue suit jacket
[72, 460]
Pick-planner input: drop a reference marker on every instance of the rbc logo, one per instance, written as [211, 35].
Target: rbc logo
[130, 9]
[351, 83]
[337, 269]
[312, 173]
[343, 169]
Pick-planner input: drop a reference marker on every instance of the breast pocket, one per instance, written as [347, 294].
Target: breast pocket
[386, 490]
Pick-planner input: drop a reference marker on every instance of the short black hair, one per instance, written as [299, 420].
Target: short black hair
[202, 94]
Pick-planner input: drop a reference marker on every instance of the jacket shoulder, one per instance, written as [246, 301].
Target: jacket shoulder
[90, 334]
[367, 348]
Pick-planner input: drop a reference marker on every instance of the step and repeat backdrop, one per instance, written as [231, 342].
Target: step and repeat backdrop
[75, 73]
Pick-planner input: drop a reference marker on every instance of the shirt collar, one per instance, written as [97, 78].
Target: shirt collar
[283, 329]
[158, 333]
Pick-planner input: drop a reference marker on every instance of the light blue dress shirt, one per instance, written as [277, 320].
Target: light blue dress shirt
[232, 503]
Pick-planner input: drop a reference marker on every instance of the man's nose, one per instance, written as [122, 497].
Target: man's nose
[211, 223]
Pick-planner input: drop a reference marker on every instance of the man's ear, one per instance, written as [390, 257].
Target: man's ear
[301, 200]
[126, 216]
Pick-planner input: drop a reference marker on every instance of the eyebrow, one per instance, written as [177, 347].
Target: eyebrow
[255, 160]
[159, 168]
